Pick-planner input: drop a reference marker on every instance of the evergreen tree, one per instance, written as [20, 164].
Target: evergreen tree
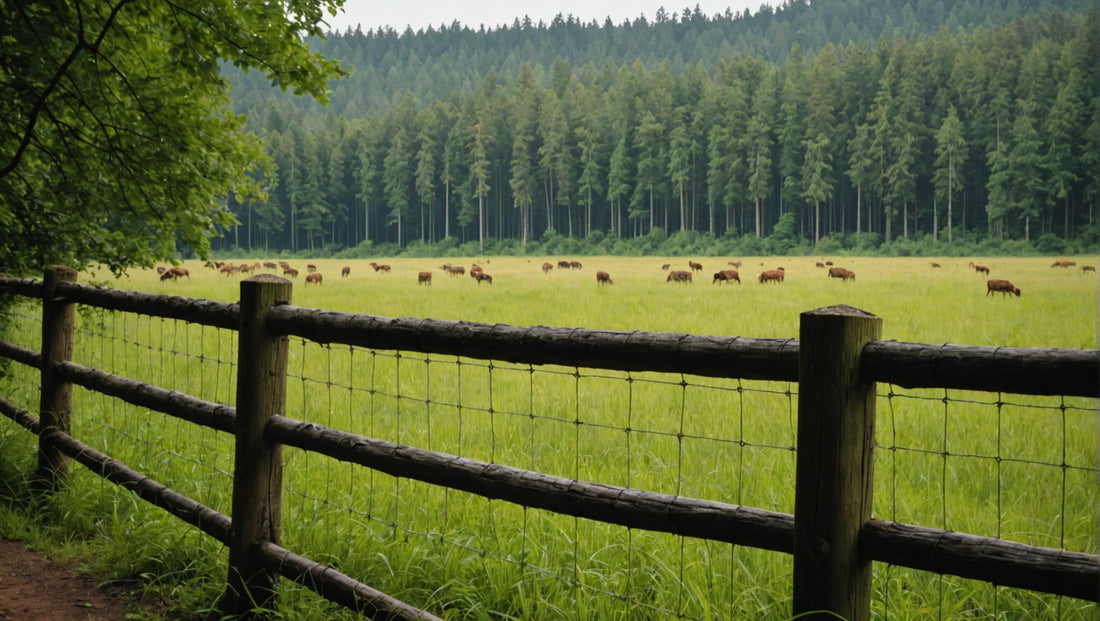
[950, 157]
[397, 180]
[425, 177]
[480, 175]
[1062, 125]
[618, 182]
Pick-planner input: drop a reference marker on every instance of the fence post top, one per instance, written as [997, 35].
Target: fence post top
[64, 272]
[267, 278]
[840, 309]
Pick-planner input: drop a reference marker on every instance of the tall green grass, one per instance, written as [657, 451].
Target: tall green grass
[1020, 468]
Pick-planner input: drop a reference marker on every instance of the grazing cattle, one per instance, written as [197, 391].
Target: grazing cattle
[679, 276]
[284, 265]
[424, 278]
[161, 269]
[228, 269]
[695, 267]
[167, 276]
[453, 270]
[563, 265]
[244, 267]
[1063, 263]
[345, 271]
[179, 272]
[380, 267]
[290, 271]
[546, 267]
[735, 264]
[775, 276]
[575, 265]
[981, 269]
[314, 277]
[475, 270]
[842, 273]
[1004, 286]
[935, 264]
[726, 276]
[270, 265]
[819, 264]
[826, 263]
[665, 267]
[311, 268]
[603, 278]
[483, 276]
[1088, 268]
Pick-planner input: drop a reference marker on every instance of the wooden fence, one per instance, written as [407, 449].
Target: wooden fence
[836, 361]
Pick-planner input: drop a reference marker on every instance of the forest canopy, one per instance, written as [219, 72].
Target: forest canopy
[902, 134]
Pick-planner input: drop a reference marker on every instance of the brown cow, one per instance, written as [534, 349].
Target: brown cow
[270, 265]
[314, 277]
[424, 278]
[345, 271]
[380, 267]
[665, 267]
[167, 275]
[1004, 286]
[726, 276]
[475, 270]
[546, 267]
[819, 264]
[453, 270]
[1088, 268]
[1064, 263]
[575, 265]
[603, 278]
[290, 271]
[679, 276]
[772, 276]
[179, 272]
[228, 269]
[483, 276]
[735, 264]
[842, 273]
[981, 269]
[161, 270]
[563, 265]
[935, 264]
[311, 268]
[695, 267]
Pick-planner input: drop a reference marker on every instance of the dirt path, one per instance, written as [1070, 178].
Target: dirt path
[33, 587]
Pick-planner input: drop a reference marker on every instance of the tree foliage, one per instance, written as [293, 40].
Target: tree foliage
[116, 141]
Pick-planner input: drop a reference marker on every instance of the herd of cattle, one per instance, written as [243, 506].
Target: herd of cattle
[993, 285]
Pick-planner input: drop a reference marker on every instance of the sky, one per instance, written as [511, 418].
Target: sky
[420, 14]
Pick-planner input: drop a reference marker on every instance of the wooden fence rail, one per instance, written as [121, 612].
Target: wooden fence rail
[836, 362]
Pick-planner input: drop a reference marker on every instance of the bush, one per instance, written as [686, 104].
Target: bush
[830, 245]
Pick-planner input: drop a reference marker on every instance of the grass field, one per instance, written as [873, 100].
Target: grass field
[1020, 468]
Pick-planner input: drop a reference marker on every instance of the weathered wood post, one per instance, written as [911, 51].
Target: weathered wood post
[835, 470]
[56, 401]
[258, 463]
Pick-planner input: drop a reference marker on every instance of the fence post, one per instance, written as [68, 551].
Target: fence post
[258, 463]
[55, 404]
[835, 469]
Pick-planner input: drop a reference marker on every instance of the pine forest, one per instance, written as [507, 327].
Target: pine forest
[814, 127]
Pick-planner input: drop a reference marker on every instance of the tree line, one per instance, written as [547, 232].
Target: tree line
[984, 134]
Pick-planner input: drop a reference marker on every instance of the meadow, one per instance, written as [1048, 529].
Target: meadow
[1020, 468]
